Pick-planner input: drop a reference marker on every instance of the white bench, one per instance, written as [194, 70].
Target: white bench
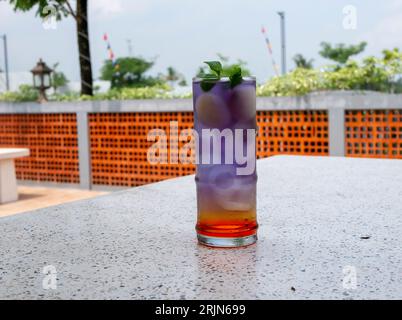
[8, 180]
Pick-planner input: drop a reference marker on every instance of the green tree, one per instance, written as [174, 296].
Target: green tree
[182, 82]
[302, 62]
[173, 76]
[398, 86]
[128, 72]
[59, 79]
[341, 53]
[63, 8]
[392, 60]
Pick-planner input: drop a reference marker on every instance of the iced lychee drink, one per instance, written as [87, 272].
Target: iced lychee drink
[226, 195]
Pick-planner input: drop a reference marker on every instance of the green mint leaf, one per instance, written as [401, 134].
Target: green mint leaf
[215, 66]
[207, 85]
[208, 81]
[235, 76]
[209, 76]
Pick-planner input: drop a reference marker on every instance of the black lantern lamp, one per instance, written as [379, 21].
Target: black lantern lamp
[41, 79]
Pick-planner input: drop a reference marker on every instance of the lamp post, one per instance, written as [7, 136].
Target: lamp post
[283, 41]
[41, 79]
[6, 62]
[130, 47]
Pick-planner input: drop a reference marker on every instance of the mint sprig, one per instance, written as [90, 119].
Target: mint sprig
[215, 66]
[210, 79]
[235, 76]
[207, 85]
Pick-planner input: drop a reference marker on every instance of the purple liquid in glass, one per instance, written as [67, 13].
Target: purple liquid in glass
[226, 195]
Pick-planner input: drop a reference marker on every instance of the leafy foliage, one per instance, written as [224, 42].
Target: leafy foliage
[302, 62]
[61, 6]
[59, 79]
[298, 82]
[235, 76]
[208, 80]
[215, 66]
[341, 53]
[182, 82]
[172, 76]
[153, 92]
[128, 72]
[26, 93]
[379, 74]
[227, 67]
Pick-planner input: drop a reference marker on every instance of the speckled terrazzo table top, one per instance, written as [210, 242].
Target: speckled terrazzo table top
[330, 228]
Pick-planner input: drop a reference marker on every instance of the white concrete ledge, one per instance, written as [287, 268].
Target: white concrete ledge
[325, 100]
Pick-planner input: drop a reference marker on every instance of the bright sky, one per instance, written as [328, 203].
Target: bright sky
[183, 33]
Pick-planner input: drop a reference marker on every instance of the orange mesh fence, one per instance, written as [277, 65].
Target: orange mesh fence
[119, 147]
[119, 142]
[374, 133]
[52, 141]
[292, 132]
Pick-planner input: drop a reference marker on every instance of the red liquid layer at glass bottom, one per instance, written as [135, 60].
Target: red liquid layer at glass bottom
[226, 229]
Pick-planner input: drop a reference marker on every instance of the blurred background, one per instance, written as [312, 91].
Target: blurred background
[328, 81]
[166, 41]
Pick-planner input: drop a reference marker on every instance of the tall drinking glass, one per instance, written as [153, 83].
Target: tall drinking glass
[225, 123]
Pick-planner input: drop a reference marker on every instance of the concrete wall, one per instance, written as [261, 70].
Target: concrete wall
[325, 100]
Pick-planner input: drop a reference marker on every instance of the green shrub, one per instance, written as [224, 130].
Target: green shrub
[27, 93]
[154, 92]
[378, 74]
[24, 94]
[298, 82]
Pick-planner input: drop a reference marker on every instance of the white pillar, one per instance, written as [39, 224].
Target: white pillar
[8, 181]
[336, 119]
[84, 150]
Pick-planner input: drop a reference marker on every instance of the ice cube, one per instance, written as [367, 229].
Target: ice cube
[212, 111]
[243, 102]
[238, 197]
[231, 192]
[218, 176]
